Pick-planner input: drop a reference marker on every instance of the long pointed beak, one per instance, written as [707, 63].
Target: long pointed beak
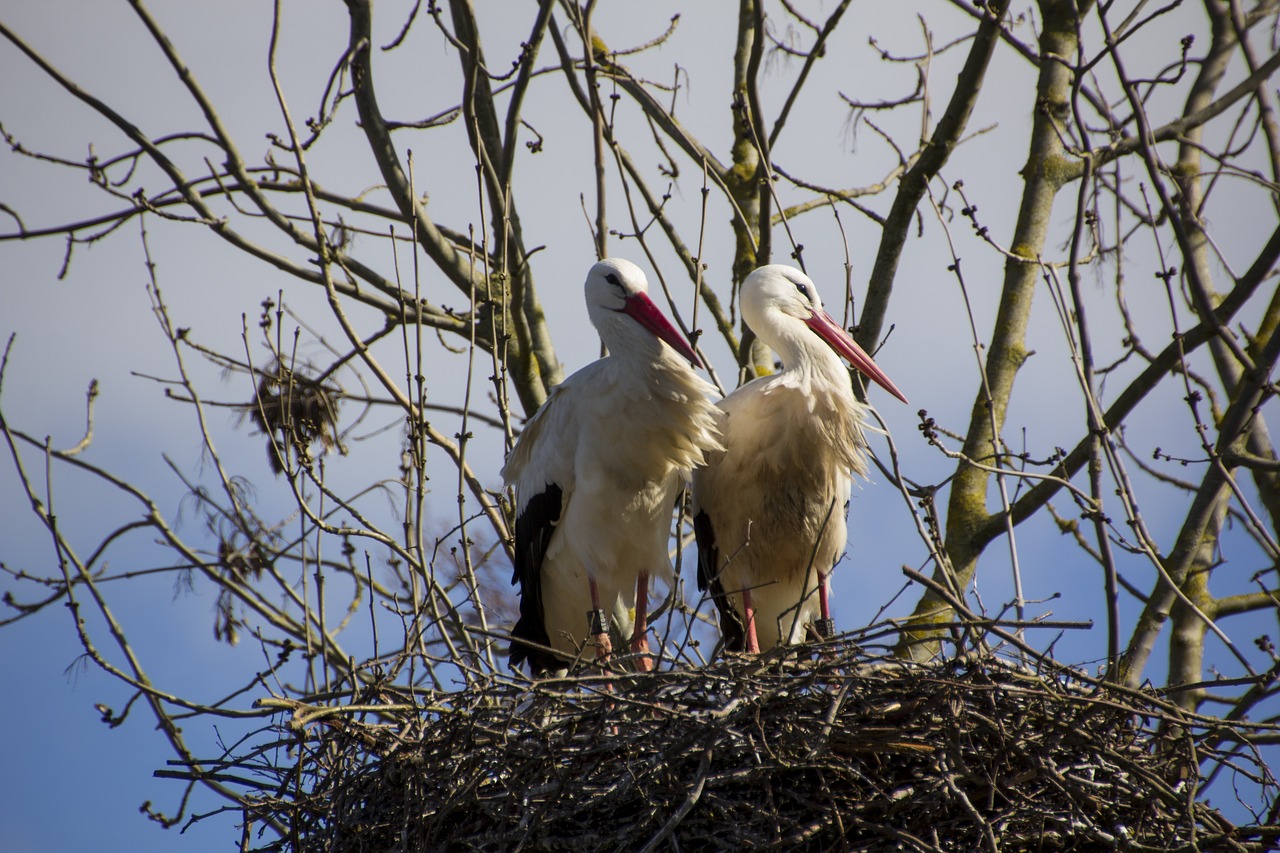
[642, 309]
[839, 340]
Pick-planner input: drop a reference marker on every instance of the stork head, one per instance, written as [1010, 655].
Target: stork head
[780, 303]
[619, 306]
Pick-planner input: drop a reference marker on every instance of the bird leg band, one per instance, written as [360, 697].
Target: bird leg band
[598, 628]
[597, 622]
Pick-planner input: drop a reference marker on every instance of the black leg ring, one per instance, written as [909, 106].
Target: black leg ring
[598, 622]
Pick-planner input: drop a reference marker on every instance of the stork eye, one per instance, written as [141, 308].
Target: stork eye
[612, 278]
[804, 290]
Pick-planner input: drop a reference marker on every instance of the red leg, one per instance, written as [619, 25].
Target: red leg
[826, 626]
[598, 624]
[640, 637]
[753, 643]
[599, 629]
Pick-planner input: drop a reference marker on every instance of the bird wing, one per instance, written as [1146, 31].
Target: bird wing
[731, 627]
[541, 469]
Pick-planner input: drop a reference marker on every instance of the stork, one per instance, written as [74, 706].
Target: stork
[770, 511]
[597, 471]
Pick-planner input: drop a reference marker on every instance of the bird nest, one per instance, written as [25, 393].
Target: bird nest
[800, 749]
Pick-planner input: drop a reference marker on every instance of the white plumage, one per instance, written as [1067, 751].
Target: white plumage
[597, 471]
[770, 511]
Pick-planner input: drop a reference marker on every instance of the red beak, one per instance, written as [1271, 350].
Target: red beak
[642, 309]
[839, 340]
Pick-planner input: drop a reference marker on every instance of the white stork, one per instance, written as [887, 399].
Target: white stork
[770, 512]
[597, 471]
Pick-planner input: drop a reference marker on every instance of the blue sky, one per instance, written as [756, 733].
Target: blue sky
[73, 784]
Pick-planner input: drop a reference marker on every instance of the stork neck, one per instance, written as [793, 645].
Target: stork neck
[808, 358]
[630, 344]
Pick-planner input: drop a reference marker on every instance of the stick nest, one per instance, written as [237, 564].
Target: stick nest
[790, 750]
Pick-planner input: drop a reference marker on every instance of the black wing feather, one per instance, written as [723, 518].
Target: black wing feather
[731, 627]
[534, 529]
